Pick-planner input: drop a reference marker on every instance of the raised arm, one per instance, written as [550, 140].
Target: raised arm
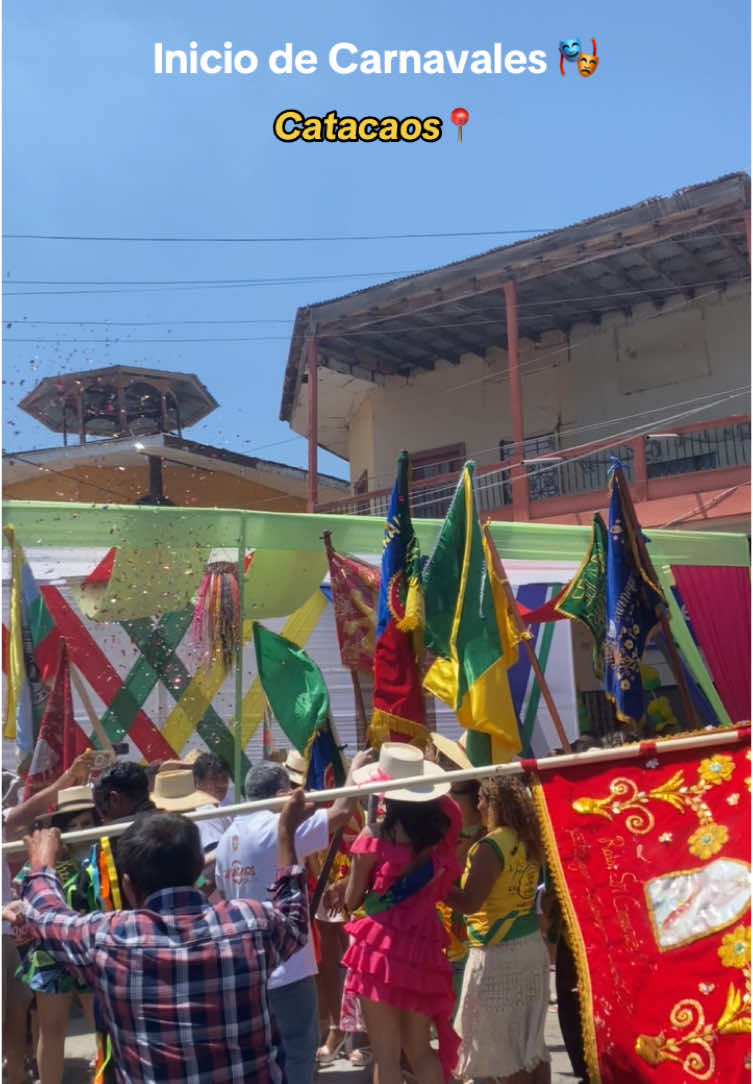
[19, 818]
[341, 809]
[288, 911]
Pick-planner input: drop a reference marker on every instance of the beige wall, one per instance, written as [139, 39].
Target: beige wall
[623, 367]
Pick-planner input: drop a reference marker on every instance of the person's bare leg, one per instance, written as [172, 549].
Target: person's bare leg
[383, 1027]
[330, 977]
[53, 1011]
[542, 1074]
[416, 1042]
[14, 1037]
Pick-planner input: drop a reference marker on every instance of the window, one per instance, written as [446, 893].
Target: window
[438, 462]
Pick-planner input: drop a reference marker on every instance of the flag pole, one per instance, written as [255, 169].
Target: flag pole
[522, 629]
[238, 727]
[97, 727]
[362, 722]
[712, 737]
[645, 560]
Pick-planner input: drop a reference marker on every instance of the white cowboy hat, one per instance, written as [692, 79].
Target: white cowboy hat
[398, 760]
[74, 799]
[174, 792]
[453, 750]
[295, 766]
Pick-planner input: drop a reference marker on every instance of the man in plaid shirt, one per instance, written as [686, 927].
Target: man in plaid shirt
[182, 983]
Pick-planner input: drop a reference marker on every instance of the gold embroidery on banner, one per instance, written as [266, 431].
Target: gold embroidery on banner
[687, 1017]
[626, 797]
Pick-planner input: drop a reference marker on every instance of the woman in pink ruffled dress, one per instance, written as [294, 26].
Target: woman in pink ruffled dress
[401, 867]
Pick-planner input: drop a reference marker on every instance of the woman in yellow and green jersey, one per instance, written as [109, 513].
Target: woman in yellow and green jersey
[505, 994]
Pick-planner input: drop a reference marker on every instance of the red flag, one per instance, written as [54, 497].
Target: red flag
[650, 857]
[399, 713]
[60, 739]
[355, 592]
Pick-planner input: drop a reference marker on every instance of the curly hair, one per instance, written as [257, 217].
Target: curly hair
[512, 805]
[424, 823]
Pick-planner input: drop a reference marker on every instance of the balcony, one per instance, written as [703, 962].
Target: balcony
[688, 460]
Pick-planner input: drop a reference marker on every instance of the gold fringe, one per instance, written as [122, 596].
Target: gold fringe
[573, 929]
[382, 722]
[414, 616]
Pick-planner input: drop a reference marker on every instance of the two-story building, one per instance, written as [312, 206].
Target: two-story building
[627, 334]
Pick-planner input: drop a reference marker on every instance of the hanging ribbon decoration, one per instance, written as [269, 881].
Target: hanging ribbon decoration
[216, 616]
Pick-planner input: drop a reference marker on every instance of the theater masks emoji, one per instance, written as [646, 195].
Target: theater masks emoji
[570, 51]
[588, 62]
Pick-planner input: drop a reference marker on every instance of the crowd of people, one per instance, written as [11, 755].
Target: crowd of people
[266, 946]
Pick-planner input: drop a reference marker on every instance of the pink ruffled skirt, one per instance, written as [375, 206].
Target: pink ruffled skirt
[398, 959]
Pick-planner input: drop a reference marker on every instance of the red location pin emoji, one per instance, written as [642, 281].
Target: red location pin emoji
[459, 116]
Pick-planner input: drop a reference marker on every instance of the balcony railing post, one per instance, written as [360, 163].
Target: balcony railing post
[640, 470]
[313, 441]
[520, 491]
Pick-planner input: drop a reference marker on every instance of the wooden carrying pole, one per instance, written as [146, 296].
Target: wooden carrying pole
[715, 737]
[526, 640]
[648, 566]
[97, 727]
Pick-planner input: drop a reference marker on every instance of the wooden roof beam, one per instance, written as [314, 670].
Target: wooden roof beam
[639, 286]
[680, 223]
[657, 269]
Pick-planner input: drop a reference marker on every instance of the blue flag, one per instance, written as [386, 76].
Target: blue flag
[634, 603]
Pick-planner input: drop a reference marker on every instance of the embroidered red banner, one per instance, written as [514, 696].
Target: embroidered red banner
[651, 861]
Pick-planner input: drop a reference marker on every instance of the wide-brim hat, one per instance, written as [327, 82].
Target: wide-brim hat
[295, 766]
[398, 760]
[178, 765]
[452, 750]
[74, 800]
[175, 792]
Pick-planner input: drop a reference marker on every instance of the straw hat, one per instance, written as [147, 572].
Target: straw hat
[74, 799]
[453, 750]
[398, 760]
[174, 792]
[295, 766]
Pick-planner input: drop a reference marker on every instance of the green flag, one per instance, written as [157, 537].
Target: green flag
[470, 672]
[293, 685]
[585, 597]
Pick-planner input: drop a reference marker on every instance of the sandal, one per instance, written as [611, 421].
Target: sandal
[361, 1057]
[325, 1055]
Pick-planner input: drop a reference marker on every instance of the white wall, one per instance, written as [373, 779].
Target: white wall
[627, 365]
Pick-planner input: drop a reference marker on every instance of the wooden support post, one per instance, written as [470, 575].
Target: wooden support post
[640, 468]
[313, 393]
[499, 570]
[520, 493]
[648, 567]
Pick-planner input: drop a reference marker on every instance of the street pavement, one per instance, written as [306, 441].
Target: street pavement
[79, 1048]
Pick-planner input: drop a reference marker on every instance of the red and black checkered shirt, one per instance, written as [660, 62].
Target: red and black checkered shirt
[182, 983]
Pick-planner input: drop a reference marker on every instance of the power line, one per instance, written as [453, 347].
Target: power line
[301, 240]
[199, 282]
[24, 322]
[274, 240]
[457, 324]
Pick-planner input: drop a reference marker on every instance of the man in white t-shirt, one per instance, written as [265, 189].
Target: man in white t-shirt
[245, 868]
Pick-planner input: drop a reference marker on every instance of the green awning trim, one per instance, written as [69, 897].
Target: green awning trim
[46, 523]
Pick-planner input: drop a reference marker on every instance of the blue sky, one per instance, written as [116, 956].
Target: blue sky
[95, 143]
